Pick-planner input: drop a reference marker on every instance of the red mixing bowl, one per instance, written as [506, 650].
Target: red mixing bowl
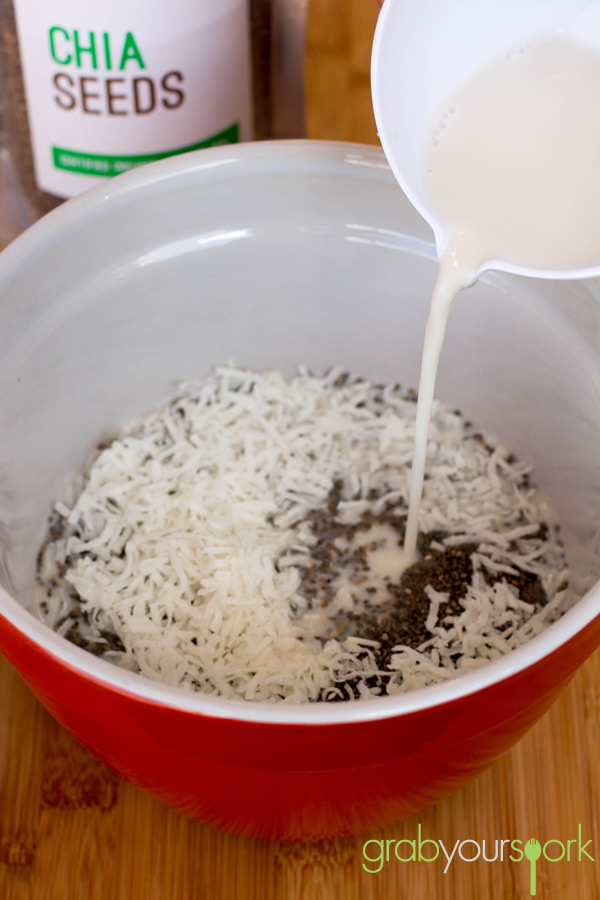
[275, 255]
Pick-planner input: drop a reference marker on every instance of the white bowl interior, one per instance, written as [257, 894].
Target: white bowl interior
[271, 256]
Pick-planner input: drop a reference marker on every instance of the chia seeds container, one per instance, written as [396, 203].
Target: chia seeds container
[90, 91]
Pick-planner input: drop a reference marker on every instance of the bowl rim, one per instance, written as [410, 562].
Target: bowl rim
[289, 155]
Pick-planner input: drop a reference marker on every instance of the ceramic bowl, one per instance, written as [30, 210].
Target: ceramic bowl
[273, 255]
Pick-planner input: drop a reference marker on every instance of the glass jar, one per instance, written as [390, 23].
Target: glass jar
[278, 29]
[89, 92]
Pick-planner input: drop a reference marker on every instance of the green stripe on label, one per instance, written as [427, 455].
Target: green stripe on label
[97, 164]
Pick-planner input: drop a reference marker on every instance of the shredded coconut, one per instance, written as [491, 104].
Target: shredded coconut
[185, 545]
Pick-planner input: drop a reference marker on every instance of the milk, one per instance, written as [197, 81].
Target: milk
[512, 169]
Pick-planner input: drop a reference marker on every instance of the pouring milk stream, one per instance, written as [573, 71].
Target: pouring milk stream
[507, 171]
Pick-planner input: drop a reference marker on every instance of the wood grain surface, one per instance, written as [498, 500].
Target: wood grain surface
[71, 830]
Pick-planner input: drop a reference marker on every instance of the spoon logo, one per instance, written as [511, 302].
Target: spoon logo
[533, 851]
[421, 849]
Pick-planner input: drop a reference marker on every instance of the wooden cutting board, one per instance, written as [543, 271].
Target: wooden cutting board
[71, 830]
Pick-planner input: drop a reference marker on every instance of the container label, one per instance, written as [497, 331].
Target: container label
[121, 84]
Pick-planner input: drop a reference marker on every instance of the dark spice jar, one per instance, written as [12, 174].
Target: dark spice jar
[92, 90]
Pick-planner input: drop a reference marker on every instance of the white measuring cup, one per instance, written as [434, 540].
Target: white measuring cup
[424, 48]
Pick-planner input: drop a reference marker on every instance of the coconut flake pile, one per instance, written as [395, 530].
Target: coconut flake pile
[178, 554]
